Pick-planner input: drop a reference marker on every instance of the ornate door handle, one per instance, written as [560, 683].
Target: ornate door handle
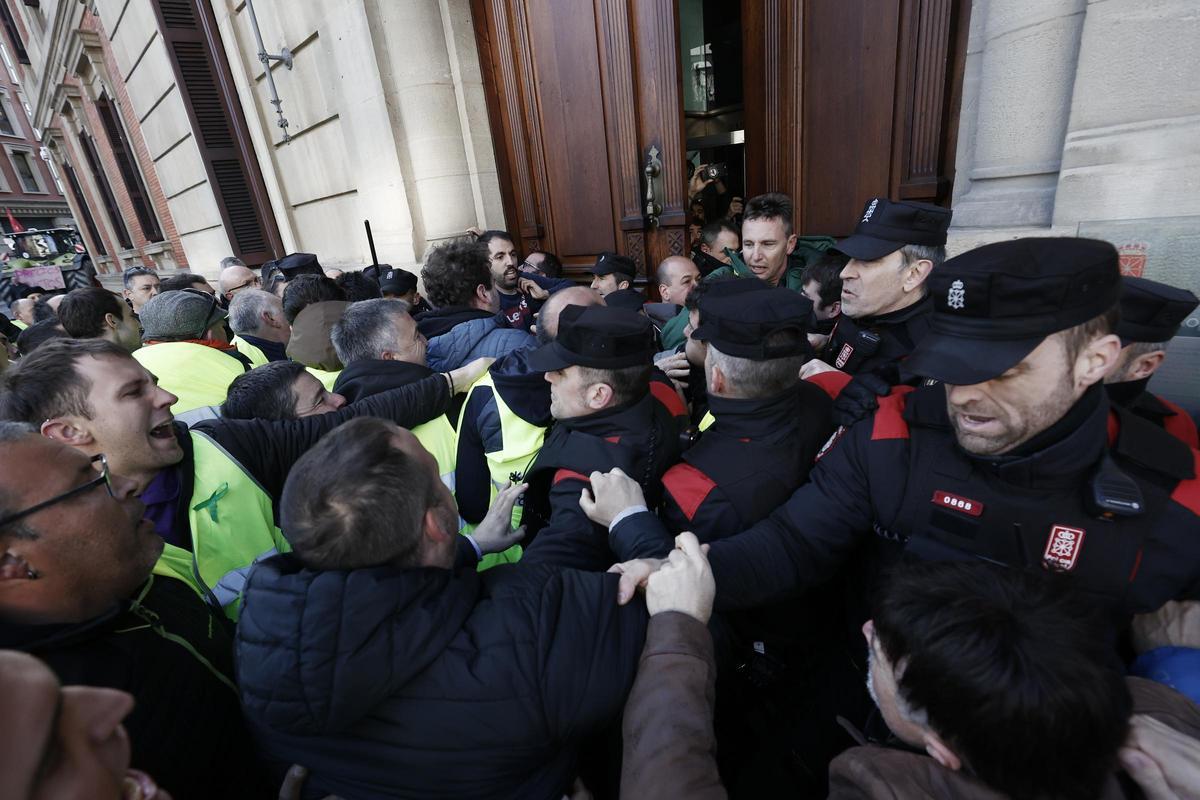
[653, 170]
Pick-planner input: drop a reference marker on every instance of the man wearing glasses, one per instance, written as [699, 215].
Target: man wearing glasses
[80, 589]
[521, 291]
[234, 278]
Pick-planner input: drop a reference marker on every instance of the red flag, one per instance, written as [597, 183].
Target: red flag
[12, 222]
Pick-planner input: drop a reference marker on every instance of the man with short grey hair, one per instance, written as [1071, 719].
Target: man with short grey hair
[262, 331]
[381, 348]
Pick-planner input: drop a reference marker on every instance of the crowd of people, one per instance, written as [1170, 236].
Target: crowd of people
[803, 517]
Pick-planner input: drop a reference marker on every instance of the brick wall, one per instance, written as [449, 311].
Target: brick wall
[133, 130]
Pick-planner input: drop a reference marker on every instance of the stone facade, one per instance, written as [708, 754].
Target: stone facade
[77, 63]
[383, 127]
[1079, 117]
[387, 121]
[1082, 117]
[29, 188]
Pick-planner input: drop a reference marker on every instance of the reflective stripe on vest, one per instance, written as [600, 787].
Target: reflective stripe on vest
[327, 379]
[254, 353]
[706, 421]
[232, 522]
[197, 374]
[520, 443]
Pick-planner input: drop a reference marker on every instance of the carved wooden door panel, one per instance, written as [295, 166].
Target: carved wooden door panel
[852, 99]
[578, 93]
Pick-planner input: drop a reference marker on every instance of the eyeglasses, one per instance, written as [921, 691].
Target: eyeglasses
[104, 478]
[525, 266]
[255, 281]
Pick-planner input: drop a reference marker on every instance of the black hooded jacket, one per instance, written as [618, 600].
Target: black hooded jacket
[431, 683]
[175, 656]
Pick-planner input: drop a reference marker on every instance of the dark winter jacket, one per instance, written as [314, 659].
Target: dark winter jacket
[175, 656]
[458, 335]
[431, 683]
[370, 376]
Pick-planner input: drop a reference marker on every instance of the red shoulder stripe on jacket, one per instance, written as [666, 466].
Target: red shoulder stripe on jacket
[569, 475]
[831, 383]
[668, 397]
[688, 487]
[889, 422]
[1187, 491]
[1181, 425]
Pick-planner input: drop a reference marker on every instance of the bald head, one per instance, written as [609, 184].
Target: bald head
[234, 278]
[676, 276]
[23, 310]
[547, 320]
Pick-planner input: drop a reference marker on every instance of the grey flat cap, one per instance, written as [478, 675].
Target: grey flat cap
[181, 314]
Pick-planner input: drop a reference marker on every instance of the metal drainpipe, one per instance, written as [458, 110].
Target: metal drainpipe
[285, 56]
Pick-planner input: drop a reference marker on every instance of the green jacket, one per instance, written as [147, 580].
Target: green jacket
[808, 250]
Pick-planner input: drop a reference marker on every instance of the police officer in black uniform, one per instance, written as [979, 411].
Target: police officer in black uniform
[1019, 459]
[606, 416]
[885, 309]
[1151, 314]
[612, 273]
[769, 424]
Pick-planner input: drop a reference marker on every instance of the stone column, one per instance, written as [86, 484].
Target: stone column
[1019, 79]
[1132, 148]
[429, 68]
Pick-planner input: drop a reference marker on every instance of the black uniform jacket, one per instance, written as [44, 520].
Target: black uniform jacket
[642, 438]
[901, 475]
[878, 344]
[747, 463]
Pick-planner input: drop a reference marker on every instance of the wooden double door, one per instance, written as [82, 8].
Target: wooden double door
[597, 107]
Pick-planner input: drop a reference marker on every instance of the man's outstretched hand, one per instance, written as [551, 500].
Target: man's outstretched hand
[684, 583]
[611, 493]
[495, 532]
[462, 378]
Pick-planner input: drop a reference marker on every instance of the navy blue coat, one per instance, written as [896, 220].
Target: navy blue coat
[424, 682]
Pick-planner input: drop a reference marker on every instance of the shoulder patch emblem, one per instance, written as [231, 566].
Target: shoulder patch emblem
[957, 296]
[1062, 548]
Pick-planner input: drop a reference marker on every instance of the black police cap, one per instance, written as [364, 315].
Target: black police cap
[885, 226]
[740, 324]
[1152, 311]
[291, 265]
[611, 263]
[993, 305]
[397, 281]
[598, 337]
